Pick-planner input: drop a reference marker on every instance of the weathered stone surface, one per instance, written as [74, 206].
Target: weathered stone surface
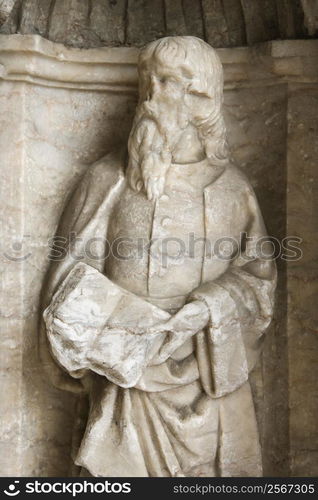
[310, 8]
[192, 11]
[145, 21]
[302, 278]
[224, 23]
[139, 318]
[175, 21]
[107, 22]
[215, 23]
[10, 22]
[35, 17]
[63, 113]
[50, 138]
[6, 7]
[257, 133]
[233, 13]
[69, 27]
[271, 19]
[112, 336]
[254, 20]
[11, 101]
[290, 18]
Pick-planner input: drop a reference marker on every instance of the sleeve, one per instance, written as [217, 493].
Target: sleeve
[240, 303]
[85, 217]
[58, 270]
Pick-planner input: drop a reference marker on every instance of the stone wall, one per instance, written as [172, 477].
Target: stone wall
[302, 207]
[61, 109]
[96, 23]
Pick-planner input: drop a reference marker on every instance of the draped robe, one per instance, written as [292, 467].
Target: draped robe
[191, 412]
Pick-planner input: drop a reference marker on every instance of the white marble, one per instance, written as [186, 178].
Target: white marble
[111, 335]
[61, 110]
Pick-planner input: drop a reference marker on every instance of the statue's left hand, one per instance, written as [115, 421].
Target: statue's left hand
[191, 318]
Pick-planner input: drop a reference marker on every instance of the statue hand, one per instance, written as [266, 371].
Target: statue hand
[154, 187]
[190, 318]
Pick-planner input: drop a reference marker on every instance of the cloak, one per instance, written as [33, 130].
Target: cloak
[191, 414]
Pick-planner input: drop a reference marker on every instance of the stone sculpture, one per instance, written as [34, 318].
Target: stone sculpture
[157, 304]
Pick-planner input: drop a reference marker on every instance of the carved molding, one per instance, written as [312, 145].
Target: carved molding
[33, 59]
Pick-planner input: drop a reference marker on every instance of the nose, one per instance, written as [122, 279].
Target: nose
[153, 87]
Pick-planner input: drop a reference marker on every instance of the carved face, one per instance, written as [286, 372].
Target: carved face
[164, 81]
[168, 90]
[180, 97]
[162, 117]
[162, 94]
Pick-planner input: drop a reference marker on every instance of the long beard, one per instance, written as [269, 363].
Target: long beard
[155, 132]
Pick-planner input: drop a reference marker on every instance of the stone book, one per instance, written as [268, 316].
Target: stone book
[94, 324]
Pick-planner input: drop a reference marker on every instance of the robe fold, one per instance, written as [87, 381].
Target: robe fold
[191, 413]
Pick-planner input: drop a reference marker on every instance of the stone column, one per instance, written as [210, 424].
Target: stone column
[12, 279]
[60, 111]
[302, 204]
[297, 64]
[302, 221]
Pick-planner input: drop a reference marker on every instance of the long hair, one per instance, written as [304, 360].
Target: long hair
[204, 75]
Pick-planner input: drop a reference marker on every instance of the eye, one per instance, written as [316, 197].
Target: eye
[197, 93]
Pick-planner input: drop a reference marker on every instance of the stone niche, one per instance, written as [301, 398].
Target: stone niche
[61, 109]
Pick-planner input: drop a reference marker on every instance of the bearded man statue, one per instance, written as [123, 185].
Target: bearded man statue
[190, 411]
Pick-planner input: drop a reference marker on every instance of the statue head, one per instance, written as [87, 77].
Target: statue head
[180, 93]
